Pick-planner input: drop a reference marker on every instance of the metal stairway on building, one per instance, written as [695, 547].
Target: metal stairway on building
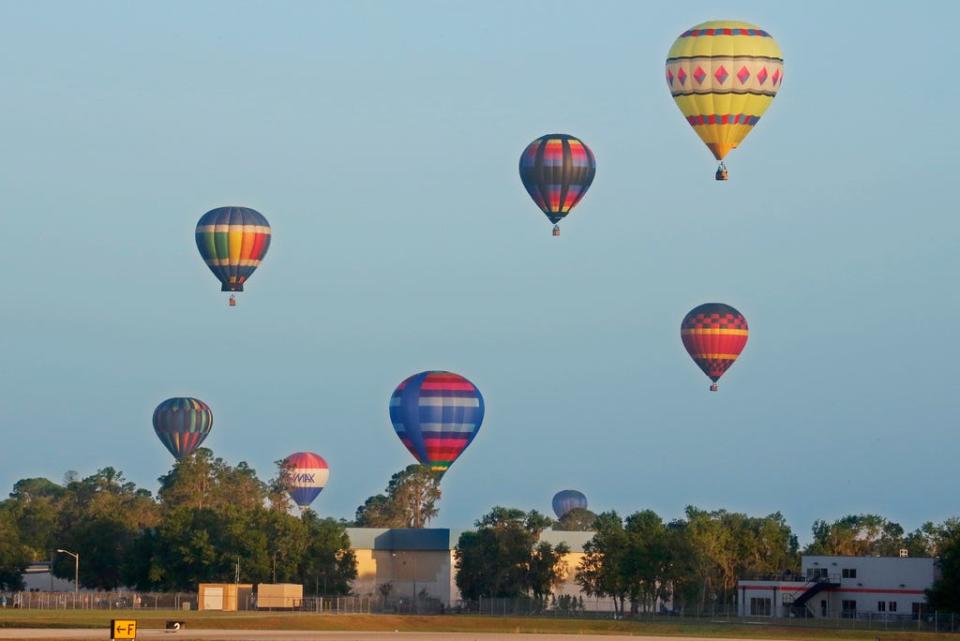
[799, 606]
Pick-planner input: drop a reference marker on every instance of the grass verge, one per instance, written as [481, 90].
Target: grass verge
[449, 623]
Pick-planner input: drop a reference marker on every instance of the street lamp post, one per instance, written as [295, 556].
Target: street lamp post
[76, 568]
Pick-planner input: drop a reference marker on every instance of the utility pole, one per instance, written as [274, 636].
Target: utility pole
[76, 568]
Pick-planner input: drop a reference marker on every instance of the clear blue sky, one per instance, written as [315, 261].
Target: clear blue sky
[381, 141]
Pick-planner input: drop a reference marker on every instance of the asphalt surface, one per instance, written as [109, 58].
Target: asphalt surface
[287, 635]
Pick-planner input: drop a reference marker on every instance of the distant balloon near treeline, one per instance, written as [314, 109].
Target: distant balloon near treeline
[182, 424]
[307, 475]
[566, 500]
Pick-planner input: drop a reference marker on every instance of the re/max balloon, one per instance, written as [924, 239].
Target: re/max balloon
[714, 334]
[182, 424]
[233, 242]
[723, 75]
[566, 500]
[436, 415]
[307, 475]
[557, 170]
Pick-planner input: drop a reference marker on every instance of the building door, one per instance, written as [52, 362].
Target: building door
[213, 599]
[760, 607]
[823, 608]
[848, 609]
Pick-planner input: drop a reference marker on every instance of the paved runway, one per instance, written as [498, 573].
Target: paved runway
[285, 635]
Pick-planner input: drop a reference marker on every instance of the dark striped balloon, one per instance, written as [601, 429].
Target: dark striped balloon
[436, 415]
[714, 334]
[233, 241]
[182, 424]
[557, 171]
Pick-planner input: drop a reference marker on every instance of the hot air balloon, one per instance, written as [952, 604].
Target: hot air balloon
[182, 424]
[436, 415]
[723, 75]
[233, 241]
[714, 335]
[557, 170]
[566, 500]
[307, 475]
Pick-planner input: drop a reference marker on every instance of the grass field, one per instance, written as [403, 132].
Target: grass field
[450, 623]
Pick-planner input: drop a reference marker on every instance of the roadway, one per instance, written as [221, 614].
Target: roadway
[52, 634]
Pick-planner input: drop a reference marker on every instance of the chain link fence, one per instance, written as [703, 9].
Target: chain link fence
[560, 606]
[119, 600]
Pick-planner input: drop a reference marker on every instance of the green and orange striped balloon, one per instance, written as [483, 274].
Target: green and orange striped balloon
[232, 242]
[182, 424]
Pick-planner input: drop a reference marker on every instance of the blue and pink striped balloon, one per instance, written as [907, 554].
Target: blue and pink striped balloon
[436, 415]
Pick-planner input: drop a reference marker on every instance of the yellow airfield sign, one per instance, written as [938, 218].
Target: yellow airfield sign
[123, 629]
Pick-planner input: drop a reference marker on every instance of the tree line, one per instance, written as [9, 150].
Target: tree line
[695, 562]
[208, 520]
[209, 515]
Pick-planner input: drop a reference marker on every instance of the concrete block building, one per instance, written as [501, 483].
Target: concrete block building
[421, 562]
[843, 587]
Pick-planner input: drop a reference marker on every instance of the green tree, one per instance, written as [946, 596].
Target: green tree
[378, 511]
[504, 558]
[576, 520]
[410, 500]
[100, 518]
[214, 516]
[204, 481]
[857, 535]
[14, 556]
[600, 572]
[929, 538]
[648, 560]
[328, 563]
[729, 545]
[34, 506]
[945, 593]
[547, 568]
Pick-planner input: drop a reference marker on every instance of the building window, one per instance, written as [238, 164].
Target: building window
[848, 608]
[760, 606]
[849, 573]
[881, 606]
[816, 574]
[892, 606]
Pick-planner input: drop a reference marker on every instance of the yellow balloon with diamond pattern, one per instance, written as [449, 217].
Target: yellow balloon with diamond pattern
[723, 75]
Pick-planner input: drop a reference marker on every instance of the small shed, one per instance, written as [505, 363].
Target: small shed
[227, 597]
[279, 596]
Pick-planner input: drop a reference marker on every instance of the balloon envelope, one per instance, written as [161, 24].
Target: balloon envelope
[437, 415]
[182, 424]
[233, 241]
[714, 335]
[566, 500]
[557, 170]
[307, 475]
[723, 75]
